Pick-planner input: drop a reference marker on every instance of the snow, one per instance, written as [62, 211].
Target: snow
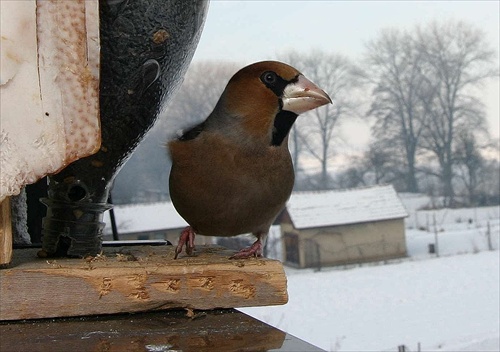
[144, 217]
[306, 208]
[448, 302]
[445, 303]
[326, 208]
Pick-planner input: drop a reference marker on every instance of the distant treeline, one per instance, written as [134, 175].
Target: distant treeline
[420, 91]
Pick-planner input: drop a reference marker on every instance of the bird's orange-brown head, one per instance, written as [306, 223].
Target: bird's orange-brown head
[261, 102]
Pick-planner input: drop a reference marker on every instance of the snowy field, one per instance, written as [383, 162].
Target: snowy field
[445, 303]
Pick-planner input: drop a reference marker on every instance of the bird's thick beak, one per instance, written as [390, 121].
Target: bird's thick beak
[303, 95]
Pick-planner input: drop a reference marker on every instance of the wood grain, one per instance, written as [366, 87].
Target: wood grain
[134, 279]
[5, 232]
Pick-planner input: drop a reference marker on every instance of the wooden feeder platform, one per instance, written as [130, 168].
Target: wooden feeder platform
[136, 279]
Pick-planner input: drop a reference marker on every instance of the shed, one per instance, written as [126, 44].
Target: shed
[327, 228]
[149, 221]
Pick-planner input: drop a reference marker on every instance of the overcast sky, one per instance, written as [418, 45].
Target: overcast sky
[249, 31]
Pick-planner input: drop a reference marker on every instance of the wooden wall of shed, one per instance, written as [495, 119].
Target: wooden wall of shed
[356, 243]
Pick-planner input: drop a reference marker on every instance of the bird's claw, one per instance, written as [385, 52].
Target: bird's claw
[255, 250]
[186, 238]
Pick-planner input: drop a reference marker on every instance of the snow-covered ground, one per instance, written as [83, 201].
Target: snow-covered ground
[445, 303]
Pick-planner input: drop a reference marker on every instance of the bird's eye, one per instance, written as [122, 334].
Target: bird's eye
[269, 77]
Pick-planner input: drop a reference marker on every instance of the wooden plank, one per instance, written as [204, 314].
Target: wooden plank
[5, 232]
[134, 279]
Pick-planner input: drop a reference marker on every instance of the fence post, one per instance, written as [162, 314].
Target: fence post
[435, 234]
[488, 235]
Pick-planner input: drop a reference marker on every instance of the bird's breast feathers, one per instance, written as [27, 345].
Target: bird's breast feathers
[219, 188]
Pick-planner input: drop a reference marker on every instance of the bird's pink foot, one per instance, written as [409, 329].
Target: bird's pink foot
[255, 250]
[186, 238]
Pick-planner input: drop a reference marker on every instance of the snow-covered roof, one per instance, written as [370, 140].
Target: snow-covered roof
[330, 208]
[144, 217]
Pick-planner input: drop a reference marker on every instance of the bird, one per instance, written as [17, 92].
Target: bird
[232, 173]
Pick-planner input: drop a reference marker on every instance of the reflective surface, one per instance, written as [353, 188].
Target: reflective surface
[218, 330]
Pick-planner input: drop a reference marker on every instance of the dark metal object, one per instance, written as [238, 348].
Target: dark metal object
[129, 243]
[218, 330]
[36, 210]
[146, 46]
[114, 228]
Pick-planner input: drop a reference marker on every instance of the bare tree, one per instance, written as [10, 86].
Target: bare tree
[423, 93]
[203, 84]
[317, 130]
[470, 164]
[353, 177]
[381, 160]
[457, 58]
[393, 65]
[488, 192]
[295, 146]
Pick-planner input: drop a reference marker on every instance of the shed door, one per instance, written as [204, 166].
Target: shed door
[292, 248]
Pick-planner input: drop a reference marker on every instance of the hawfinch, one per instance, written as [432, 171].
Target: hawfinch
[232, 174]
